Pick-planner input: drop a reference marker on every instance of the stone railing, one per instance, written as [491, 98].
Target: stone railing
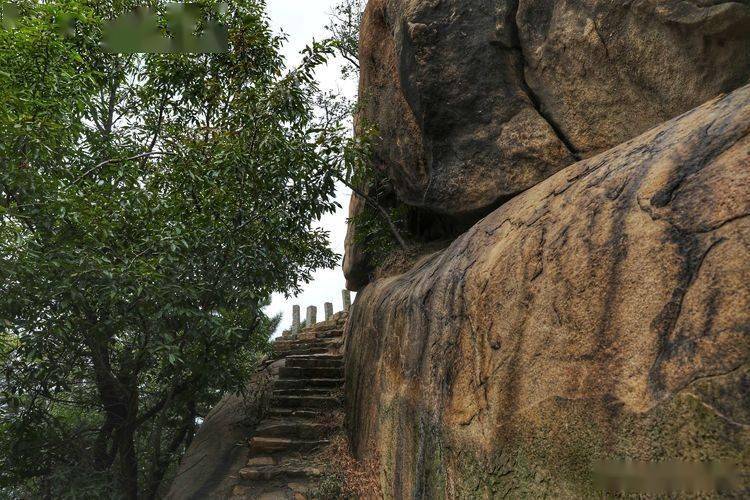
[311, 318]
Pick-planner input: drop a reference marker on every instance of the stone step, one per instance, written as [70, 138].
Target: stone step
[292, 429]
[331, 334]
[304, 352]
[308, 340]
[324, 402]
[292, 352]
[316, 391]
[289, 345]
[266, 445]
[302, 413]
[335, 333]
[271, 472]
[314, 362]
[261, 460]
[296, 372]
[307, 336]
[325, 355]
[309, 383]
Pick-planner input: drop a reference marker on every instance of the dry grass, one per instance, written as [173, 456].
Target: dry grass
[358, 479]
[400, 261]
[334, 421]
[344, 476]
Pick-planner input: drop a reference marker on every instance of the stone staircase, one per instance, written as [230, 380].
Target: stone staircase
[299, 420]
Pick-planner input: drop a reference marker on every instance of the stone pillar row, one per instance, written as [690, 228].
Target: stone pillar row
[312, 312]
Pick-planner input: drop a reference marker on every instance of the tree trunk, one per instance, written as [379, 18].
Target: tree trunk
[128, 462]
[161, 461]
[119, 398]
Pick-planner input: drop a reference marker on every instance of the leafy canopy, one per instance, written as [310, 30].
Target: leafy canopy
[149, 206]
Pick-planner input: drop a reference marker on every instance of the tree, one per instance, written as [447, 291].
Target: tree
[149, 206]
[343, 27]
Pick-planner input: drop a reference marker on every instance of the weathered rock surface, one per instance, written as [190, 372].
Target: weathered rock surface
[444, 86]
[476, 101]
[604, 71]
[356, 266]
[604, 313]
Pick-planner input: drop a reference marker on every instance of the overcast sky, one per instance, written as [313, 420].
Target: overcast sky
[302, 21]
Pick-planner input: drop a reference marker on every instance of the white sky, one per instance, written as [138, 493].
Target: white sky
[302, 21]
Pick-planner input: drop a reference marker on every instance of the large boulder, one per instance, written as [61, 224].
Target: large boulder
[606, 70]
[443, 84]
[475, 100]
[602, 314]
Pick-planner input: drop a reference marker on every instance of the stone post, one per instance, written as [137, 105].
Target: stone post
[347, 297]
[312, 313]
[295, 319]
[329, 311]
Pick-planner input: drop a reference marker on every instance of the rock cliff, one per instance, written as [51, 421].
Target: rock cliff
[602, 314]
[475, 101]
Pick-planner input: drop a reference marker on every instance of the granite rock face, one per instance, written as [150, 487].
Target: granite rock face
[476, 100]
[443, 83]
[605, 71]
[604, 313]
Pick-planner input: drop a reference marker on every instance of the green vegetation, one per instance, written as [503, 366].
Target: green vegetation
[374, 235]
[346, 19]
[150, 204]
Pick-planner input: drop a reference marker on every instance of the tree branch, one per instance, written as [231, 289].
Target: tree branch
[157, 407]
[157, 131]
[354, 61]
[379, 208]
[119, 160]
